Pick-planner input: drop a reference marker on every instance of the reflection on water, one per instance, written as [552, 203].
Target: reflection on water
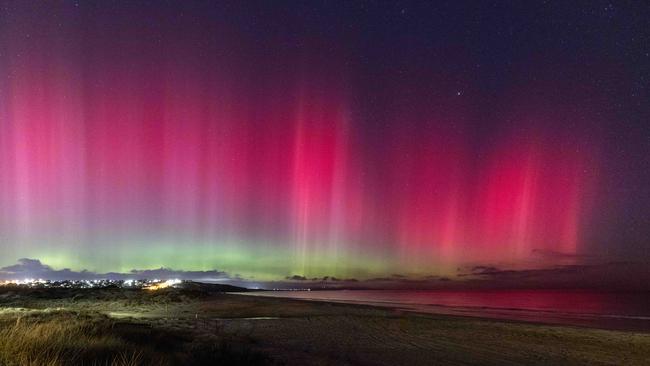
[615, 310]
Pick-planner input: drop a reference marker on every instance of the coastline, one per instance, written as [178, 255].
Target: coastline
[630, 323]
[405, 337]
[179, 324]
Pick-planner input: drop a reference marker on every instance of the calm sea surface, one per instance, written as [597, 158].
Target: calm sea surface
[612, 310]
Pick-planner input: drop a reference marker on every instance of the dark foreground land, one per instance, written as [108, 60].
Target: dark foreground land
[199, 326]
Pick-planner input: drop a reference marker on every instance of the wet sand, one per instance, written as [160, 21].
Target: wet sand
[298, 332]
[327, 333]
[628, 311]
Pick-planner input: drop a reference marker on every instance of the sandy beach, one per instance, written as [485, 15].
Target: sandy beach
[261, 330]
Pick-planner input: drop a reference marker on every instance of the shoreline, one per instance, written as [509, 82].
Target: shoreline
[625, 323]
[179, 325]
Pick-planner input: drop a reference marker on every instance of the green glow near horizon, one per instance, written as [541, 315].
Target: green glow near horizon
[249, 260]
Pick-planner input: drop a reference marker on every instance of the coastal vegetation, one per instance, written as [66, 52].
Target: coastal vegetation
[199, 326]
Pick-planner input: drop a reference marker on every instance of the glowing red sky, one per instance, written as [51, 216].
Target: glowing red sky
[125, 133]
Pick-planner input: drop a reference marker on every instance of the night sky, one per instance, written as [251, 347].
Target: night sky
[351, 139]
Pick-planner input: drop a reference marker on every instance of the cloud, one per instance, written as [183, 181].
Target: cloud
[183, 275]
[26, 264]
[606, 276]
[319, 279]
[34, 268]
[555, 256]
[296, 278]
[481, 270]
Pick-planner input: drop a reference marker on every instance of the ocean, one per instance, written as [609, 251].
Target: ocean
[600, 309]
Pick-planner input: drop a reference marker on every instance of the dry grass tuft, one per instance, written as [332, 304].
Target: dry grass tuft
[63, 338]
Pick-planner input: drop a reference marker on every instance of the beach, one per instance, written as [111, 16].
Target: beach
[614, 310]
[172, 326]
